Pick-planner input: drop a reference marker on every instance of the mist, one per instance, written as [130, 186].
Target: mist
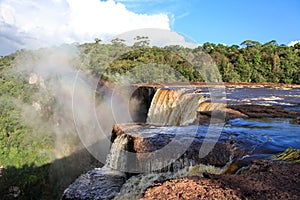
[66, 104]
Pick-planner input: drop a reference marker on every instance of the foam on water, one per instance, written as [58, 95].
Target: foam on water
[136, 185]
[117, 158]
[257, 138]
[174, 107]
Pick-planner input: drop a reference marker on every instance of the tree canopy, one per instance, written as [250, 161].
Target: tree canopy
[250, 61]
[25, 146]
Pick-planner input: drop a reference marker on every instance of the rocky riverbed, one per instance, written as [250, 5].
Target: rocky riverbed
[194, 146]
[264, 180]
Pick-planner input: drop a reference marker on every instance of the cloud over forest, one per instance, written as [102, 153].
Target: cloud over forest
[34, 24]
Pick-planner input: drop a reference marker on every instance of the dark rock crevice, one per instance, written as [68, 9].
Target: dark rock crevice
[140, 102]
[144, 138]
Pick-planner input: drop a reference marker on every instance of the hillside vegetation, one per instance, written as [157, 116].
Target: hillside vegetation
[250, 62]
[27, 133]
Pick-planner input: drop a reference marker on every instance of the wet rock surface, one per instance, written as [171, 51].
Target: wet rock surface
[260, 111]
[106, 183]
[140, 102]
[97, 184]
[150, 138]
[245, 111]
[218, 116]
[296, 121]
[264, 180]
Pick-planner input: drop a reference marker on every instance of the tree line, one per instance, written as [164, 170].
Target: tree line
[250, 61]
[23, 145]
[256, 62]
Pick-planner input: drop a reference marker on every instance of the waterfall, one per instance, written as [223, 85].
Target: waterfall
[117, 158]
[174, 107]
[135, 186]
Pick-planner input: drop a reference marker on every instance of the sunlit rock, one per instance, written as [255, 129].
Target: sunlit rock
[261, 111]
[37, 106]
[186, 141]
[33, 79]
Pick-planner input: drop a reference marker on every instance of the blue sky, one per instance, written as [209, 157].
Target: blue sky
[229, 22]
[33, 24]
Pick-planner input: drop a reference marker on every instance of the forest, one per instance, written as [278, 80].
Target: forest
[25, 146]
[250, 61]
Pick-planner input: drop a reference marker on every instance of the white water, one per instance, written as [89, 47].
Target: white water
[174, 107]
[168, 107]
[117, 158]
[136, 185]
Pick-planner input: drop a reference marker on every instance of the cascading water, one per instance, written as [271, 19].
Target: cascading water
[174, 107]
[136, 185]
[105, 182]
[117, 158]
[177, 106]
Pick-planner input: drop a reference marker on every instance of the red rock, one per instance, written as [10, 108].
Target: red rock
[264, 180]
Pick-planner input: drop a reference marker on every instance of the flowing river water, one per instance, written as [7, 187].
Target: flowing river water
[258, 136]
[173, 111]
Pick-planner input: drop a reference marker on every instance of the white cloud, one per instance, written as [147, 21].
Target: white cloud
[292, 43]
[33, 24]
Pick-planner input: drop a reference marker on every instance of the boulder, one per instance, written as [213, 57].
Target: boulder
[205, 117]
[97, 184]
[264, 180]
[244, 111]
[184, 142]
[260, 111]
[296, 121]
[189, 188]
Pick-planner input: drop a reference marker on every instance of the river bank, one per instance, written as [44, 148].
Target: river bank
[264, 180]
[240, 126]
[227, 84]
